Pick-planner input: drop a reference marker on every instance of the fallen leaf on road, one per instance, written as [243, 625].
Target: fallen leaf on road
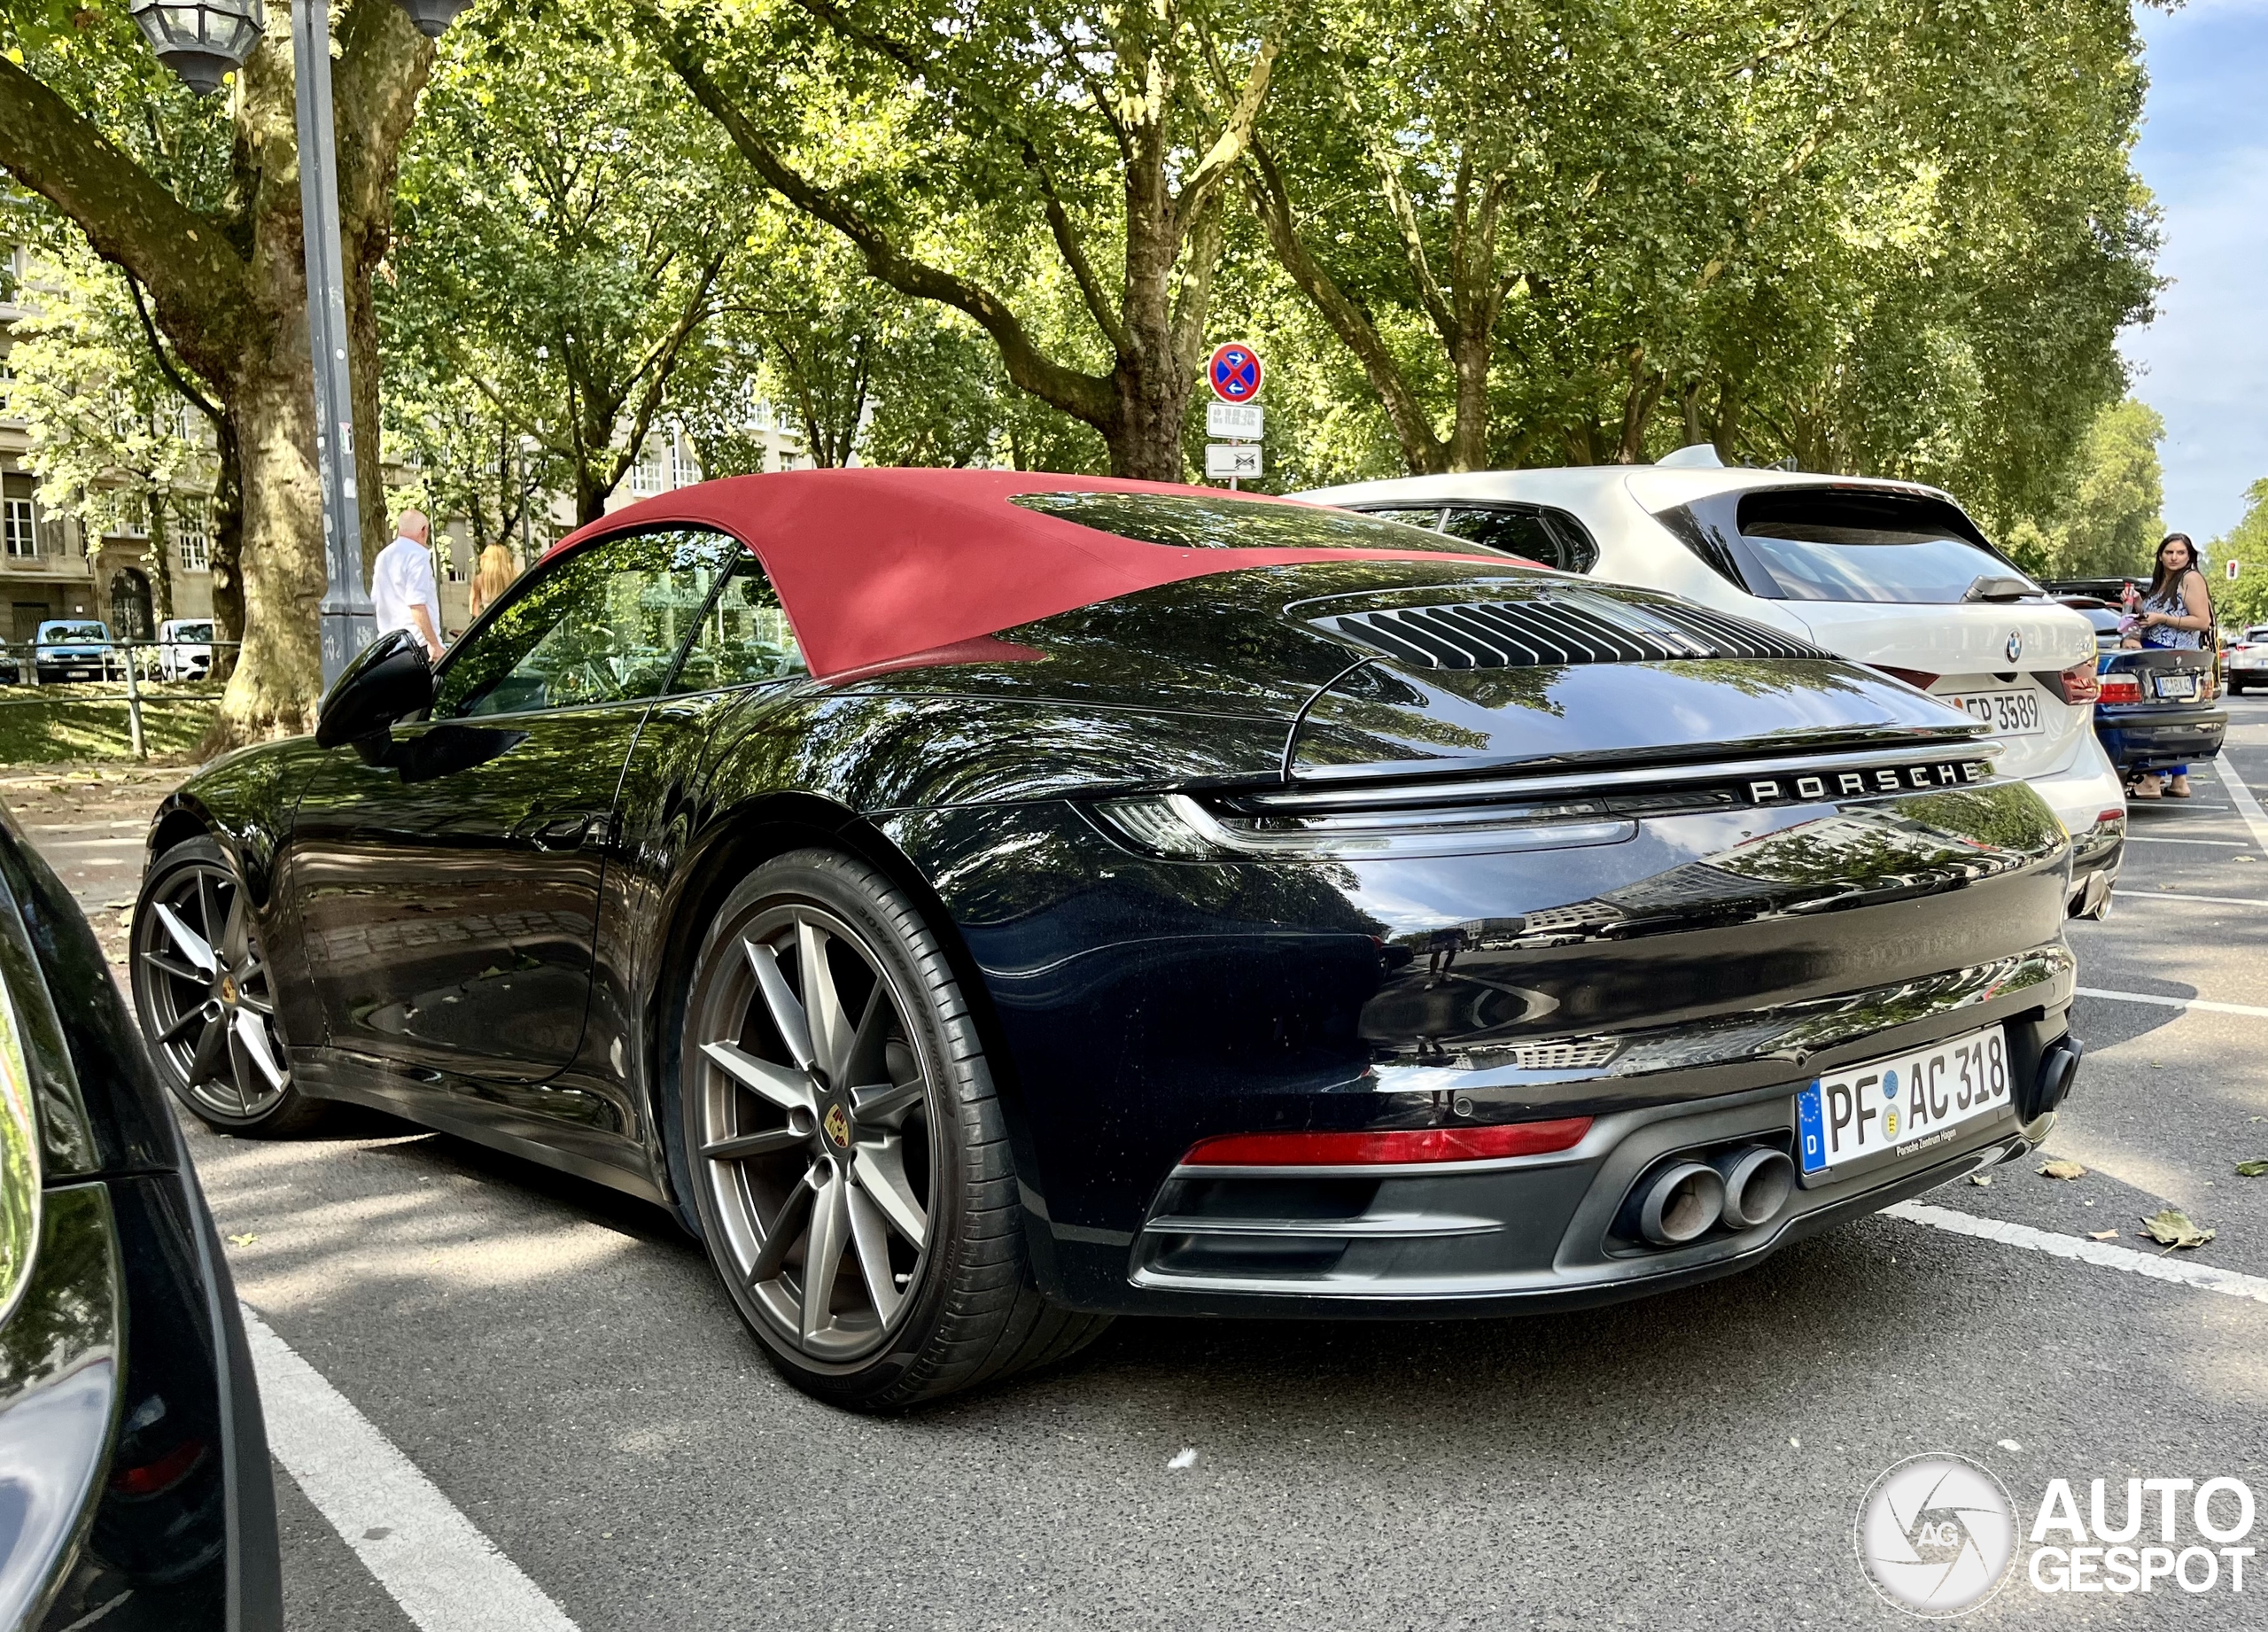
[2061, 1168]
[2252, 1169]
[1980, 1179]
[2103, 1235]
[2172, 1228]
[242, 1240]
[1186, 1458]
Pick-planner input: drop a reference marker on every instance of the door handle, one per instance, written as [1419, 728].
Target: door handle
[564, 832]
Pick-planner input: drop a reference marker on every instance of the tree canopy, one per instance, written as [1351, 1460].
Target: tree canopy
[1870, 235]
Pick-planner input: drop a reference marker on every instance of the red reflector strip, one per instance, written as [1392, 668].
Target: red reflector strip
[167, 1472]
[1301, 1150]
[1921, 679]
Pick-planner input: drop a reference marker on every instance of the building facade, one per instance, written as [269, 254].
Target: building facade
[50, 567]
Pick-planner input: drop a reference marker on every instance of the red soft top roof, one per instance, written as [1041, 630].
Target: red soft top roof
[876, 565]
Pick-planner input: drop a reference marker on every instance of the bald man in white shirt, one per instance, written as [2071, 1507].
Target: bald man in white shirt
[402, 591]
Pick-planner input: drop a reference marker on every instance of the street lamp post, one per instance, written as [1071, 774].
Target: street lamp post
[202, 43]
[347, 622]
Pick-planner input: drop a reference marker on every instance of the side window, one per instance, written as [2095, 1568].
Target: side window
[1548, 536]
[743, 636]
[1515, 532]
[604, 624]
[1577, 551]
[1429, 518]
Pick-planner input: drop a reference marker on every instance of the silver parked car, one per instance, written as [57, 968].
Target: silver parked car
[1890, 574]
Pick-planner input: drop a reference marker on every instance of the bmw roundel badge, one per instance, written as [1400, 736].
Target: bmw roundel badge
[2016, 645]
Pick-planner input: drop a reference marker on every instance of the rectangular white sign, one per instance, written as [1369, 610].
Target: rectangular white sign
[1237, 459]
[1238, 420]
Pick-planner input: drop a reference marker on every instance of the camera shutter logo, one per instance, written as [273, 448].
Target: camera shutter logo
[1936, 1534]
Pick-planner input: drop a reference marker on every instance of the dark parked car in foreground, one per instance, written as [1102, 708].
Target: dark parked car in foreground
[2155, 707]
[983, 902]
[134, 1492]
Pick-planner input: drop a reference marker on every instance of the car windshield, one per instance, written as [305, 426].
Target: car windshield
[1192, 522]
[2258, 631]
[1818, 544]
[76, 632]
[192, 631]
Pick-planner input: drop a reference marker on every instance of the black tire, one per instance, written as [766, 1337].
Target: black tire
[903, 1182]
[209, 1017]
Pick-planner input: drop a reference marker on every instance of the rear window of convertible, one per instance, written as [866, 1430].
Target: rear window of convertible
[1190, 521]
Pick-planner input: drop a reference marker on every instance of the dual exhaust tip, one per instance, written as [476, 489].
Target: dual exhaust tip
[1740, 1190]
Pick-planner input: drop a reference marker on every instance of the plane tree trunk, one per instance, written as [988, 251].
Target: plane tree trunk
[228, 287]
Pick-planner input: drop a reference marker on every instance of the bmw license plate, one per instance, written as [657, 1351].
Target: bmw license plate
[1902, 1104]
[2180, 686]
[2010, 713]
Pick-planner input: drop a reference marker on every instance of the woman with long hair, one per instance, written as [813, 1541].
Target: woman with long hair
[2176, 613]
[491, 575]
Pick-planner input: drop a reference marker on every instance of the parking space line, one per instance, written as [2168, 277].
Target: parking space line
[2165, 1002]
[2176, 895]
[434, 1561]
[2152, 839]
[2182, 1271]
[2248, 807]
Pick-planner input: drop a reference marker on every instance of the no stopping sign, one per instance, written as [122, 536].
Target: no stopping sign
[1234, 372]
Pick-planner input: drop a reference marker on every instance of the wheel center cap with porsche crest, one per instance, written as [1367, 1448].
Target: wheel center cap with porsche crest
[836, 1125]
[228, 989]
[2016, 645]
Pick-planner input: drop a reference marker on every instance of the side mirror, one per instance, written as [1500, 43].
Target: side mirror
[391, 679]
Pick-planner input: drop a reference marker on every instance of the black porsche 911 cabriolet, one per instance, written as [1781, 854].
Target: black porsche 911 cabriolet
[981, 903]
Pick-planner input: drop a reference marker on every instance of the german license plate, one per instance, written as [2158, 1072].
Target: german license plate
[2183, 686]
[1902, 1104]
[2008, 713]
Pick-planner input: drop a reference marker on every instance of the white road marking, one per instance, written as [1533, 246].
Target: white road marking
[436, 1564]
[2176, 895]
[91, 844]
[2182, 1271]
[2254, 817]
[2152, 839]
[2163, 1002]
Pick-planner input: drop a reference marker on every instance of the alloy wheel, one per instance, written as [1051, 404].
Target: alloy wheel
[211, 1009]
[815, 1132]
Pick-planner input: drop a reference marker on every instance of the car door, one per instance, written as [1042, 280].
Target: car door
[448, 887]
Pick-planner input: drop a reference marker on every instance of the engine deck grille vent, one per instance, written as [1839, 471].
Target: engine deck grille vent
[1570, 627]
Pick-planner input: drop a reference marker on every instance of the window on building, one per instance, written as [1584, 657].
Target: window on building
[22, 525]
[8, 391]
[684, 469]
[646, 475]
[192, 519]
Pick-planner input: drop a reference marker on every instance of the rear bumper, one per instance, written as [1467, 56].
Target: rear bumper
[1537, 1232]
[2084, 796]
[2146, 736]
